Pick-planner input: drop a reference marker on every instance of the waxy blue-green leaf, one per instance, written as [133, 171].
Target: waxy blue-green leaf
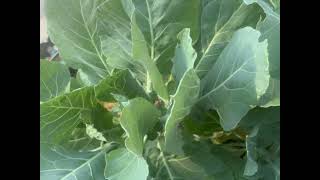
[54, 79]
[262, 143]
[121, 83]
[83, 78]
[183, 168]
[116, 44]
[185, 55]
[58, 163]
[124, 49]
[251, 167]
[186, 94]
[272, 95]
[162, 166]
[122, 164]
[202, 161]
[59, 116]
[161, 21]
[137, 119]
[238, 79]
[227, 162]
[140, 53]
[219, 20]
[75, 29]
[94, 130]
[270, 30]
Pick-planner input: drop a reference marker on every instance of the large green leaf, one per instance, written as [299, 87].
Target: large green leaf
[272, 95]
[54, 79]
[185, 55]
[186, 94]
[263, 143]
[125, 58]
[154, 27]
[125, 165]
[137, 119]
[117, 43]
[270, 30]
[202, 122]
[163, 167]
[251, 167]
[227, 162]
[201, 161]
[183, 168]
[57, 163]
[161, 21]
[219, 20]
[238, 79]
[59, 116]
[183, 100]
[140, 53]
[122, 83]
[75, 28]
[89, 135]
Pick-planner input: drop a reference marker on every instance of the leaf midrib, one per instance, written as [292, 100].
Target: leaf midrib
[151, 31]
[225, 81]
[216, 35]
[91, 37]
[82, 165]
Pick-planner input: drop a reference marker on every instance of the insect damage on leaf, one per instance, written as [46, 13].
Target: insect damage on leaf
[93, 133]
[109, 105]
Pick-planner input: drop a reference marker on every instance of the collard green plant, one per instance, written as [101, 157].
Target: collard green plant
[164, 90]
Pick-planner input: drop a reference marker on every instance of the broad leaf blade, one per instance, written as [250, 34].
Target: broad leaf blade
[125, 165]
[183, 100]
[185, 55]
[270, 30]
[59, 116]
[219, 20]
[251, 166]
[74, 27]
[140, 53]
[138, 118]
[116, 44]
[54, 79]
[57, 163]
[202, 161]
[238, 79]
[263, 143]
[272, 95]
[121, 82]
[186, 94]
[161, 21]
